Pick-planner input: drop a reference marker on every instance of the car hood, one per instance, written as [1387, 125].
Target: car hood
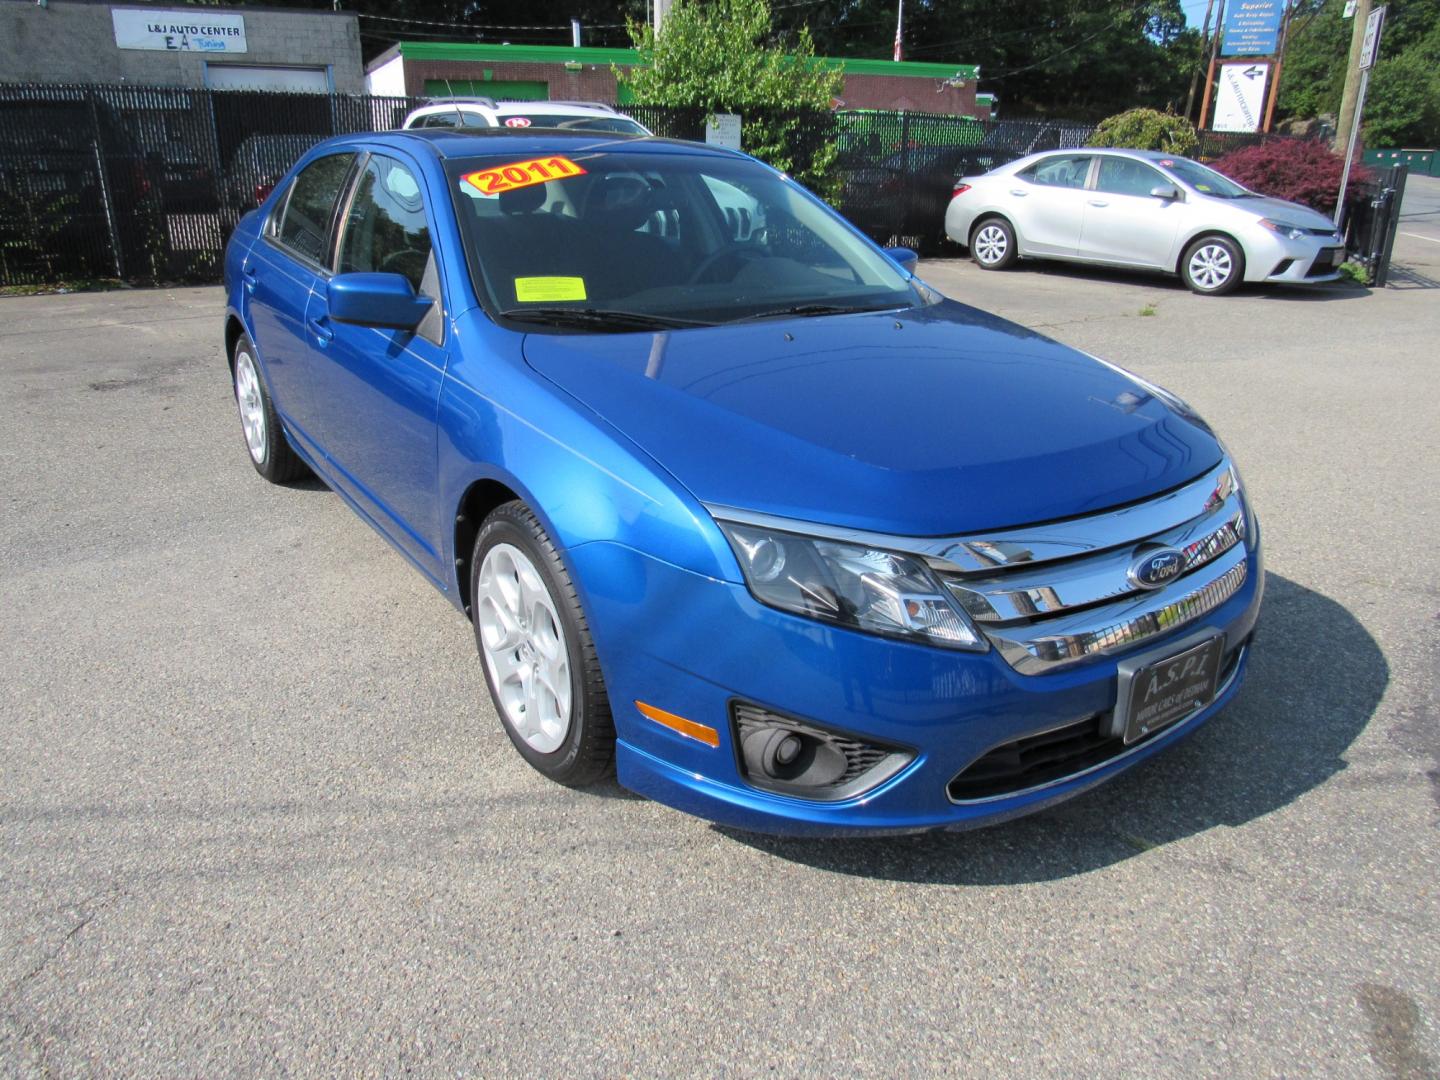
[1291, 213]
[932, 421]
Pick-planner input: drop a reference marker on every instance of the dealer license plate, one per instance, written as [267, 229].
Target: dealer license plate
[1163, 692]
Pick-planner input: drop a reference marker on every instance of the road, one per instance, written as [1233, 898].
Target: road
[1420, 213]
[257, 817]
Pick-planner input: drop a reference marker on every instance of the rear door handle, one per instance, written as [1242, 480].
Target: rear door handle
[1098, 202]
[323, 334]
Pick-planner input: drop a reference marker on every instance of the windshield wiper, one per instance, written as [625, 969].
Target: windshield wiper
[807, 310]
[598, 318]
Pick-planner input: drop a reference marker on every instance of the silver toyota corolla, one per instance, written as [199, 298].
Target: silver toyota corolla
[1142, 209]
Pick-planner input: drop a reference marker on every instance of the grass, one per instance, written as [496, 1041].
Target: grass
[1147, 310]
[1355, 272]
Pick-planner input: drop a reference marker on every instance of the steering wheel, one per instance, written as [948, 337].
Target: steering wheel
[739, 255]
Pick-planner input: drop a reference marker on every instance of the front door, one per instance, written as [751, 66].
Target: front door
[1124, 223]
[376, 391]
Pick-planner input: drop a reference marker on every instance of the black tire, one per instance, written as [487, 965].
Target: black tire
[992, 244]
[276, 461]
[1204, 258]
[587, 753]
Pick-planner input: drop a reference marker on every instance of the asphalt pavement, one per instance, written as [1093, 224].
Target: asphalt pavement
[257, 816]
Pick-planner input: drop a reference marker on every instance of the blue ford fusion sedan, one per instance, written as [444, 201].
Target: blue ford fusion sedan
[737, 505]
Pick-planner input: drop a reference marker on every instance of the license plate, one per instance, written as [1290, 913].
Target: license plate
[1162, 692]
[1330, 258]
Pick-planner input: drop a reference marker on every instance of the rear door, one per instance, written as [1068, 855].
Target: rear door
[1124, 223]
[1047, 202]
[281, 272]
[376, 390]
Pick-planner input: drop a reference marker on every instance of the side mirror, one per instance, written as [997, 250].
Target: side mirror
[1164, 191]
[904, 258]
[376, 300]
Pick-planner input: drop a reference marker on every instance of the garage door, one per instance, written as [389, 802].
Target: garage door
[253, 77]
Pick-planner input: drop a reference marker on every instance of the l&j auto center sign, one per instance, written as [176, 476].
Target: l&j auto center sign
[196, 29]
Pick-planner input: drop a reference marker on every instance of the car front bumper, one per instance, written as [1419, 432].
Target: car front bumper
[1277, 260]
[694, 646]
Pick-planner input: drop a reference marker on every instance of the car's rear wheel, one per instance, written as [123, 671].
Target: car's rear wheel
[535, 645]
[270, 452]
[1212, 266]
[992, 243]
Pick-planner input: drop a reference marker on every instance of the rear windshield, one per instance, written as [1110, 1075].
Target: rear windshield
[692, 238]
[621, 125]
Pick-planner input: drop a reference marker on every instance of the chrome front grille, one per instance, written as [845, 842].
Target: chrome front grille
[1064, 592]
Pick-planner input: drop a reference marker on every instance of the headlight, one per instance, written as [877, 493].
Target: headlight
[1285, 229]
[878, 592]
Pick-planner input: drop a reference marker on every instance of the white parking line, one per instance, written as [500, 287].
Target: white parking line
[1417, 236]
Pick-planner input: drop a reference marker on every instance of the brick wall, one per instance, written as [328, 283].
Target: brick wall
[595, 82]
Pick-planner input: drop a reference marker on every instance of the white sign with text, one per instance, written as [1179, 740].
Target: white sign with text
[1241, 97]
[197, 29]
[723, 129]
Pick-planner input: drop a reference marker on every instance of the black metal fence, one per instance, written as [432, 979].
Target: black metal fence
[146, 183]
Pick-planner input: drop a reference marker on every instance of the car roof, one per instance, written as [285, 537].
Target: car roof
[448, 143]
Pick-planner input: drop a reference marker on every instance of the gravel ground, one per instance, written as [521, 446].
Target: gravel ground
[257, 817]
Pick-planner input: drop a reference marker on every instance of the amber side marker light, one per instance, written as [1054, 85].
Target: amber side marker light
[689, 728]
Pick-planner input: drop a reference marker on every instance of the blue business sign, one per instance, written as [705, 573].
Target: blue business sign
[1252, 28]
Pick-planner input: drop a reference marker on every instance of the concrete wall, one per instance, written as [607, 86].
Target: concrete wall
[69, 41]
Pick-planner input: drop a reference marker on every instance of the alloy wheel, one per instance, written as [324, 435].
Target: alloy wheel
[523, 642]
[1211, 266]
[251, 404]
[991, 244]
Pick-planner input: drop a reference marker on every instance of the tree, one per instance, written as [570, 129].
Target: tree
[1146, 129]
[722, 57]
[1402, 105]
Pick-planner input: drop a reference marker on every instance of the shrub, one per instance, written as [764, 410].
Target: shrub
[1303, 171]
[1146, 129]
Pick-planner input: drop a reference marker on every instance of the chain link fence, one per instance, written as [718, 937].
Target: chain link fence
[145, 184]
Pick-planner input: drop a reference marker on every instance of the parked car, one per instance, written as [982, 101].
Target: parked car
[756, 515]
[1141, 209]
[258, 163]
[906, 193]
[483, 112]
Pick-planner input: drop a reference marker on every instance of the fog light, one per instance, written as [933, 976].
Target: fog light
[788, 756]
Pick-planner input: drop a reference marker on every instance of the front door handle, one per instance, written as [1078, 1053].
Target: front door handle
[1098, 202]
[251, 277]
[1019, 193]
[323, 334]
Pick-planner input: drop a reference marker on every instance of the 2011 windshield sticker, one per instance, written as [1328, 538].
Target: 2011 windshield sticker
[521, 174]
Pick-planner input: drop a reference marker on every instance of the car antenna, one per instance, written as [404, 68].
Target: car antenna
[459, 116]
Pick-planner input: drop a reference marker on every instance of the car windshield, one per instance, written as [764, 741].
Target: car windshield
[591, 239]
[1204, 180]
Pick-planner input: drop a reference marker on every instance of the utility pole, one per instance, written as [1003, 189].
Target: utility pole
[1346, 120]
[1199, 61]
[1210, 72]
[899, 27]
[662, 8]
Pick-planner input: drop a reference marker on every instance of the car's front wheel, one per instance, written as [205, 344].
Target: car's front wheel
[992, 244]
[1212, 266]
[535, 644]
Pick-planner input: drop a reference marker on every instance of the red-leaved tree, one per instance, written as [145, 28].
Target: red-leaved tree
[1301, 170]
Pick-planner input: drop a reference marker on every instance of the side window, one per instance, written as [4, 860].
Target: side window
[1068, 170]
[385, 230]
[305, 225]
[440, 120]
[1125, 176]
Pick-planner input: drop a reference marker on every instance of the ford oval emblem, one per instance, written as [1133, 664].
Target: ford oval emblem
[1156, 567]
